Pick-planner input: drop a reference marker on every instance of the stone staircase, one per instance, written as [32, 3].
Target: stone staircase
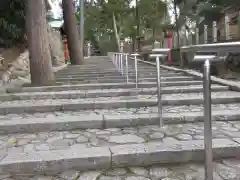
[94, 126]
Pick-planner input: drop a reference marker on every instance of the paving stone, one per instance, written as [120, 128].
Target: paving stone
[137, 178]
[169, 140]
[235, 163]
[62, 142]
[110, 178]
[139, 171]
[227, 172]
[41, 178]
[79, 146]
[82, 139]
[28, 147]
[42, 147]
[15, 150]
[159, 172]
[184, 137]
[22, 142]
[70, 175]
[126, 138]
[116, 172]
[156, 135]
[4, 176]
[71, 136]
[89, 175]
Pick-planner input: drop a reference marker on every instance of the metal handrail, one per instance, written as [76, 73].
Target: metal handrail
[159, 93]
[214, 47]
[118, 61]
[136, 68]
[207, 121]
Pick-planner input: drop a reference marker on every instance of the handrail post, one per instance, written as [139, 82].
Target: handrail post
[159, 93]
[118, 58]
[113, 58]
[207, 122]
[121, 63]
[126, 68]
[136, 68]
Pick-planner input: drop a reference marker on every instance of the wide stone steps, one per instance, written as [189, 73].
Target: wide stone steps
[74, 86]
[225, 169]
[74, 94]
[31, 106]
[55, 152]
[112, 118]
[89, 130]
[149, 79]
[117, 74]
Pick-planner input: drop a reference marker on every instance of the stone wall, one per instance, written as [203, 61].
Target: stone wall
[20, 67]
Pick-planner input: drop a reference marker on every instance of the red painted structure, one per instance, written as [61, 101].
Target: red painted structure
[168, 34]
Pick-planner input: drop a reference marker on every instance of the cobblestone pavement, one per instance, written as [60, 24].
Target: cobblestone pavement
[46, 141]
[54, 141]
[123, 111]
[223, 170]
[179, 96]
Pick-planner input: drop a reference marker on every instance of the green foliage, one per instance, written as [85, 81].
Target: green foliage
[211, 9]
[152, 12]
[12, 22]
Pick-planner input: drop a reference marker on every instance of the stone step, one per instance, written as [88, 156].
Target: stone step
[80, 87]
[149, 79]
[31, 106]
[223, 170]
[115, 118]
[163, 84]
[68, 87]
[119, 75]
[113, 73]
[55, 152]
[66, 72]
[74, 94]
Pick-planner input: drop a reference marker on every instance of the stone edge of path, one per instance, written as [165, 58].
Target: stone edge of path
[231, 84]
[80, 87]
[17, 83]
[93, 93]
[143, 154]
[88, 121]
[132, 102]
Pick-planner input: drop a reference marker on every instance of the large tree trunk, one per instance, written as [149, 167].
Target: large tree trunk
[176, 21]
[72, 32]
[116, 31]
[38, 45]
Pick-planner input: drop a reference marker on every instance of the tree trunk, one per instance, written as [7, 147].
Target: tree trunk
[38, 45]
[72, 32]
[116, 32]
[153, 36]
[177, 23]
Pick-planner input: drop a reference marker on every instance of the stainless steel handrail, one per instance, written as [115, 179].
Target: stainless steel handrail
[159, 93]
[214, 47]
[207, 122]
[136, 68]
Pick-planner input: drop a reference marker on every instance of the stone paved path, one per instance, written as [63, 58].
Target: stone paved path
[223, 170]
[92, 123]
